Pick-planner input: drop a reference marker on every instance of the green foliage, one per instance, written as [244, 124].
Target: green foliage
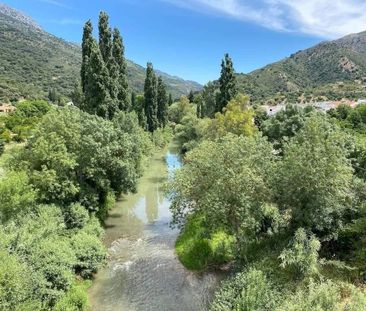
[247, 291]
[324, 296]
[209, 94]
[151, 99]
[180, 109]
[162, 99]
[75, 299]
[236, 118]
[2, 146]
[190, 132]
[17, 196]
[318, 193]
[20, 123]
[227, 182]
[120, 71]
[198, 249]
[227, 82]
[75, 163]
[302, 254]
[105, 37]
[90, 253]
[284, 125]
[76, 216]
[161, 137]
[16, 288]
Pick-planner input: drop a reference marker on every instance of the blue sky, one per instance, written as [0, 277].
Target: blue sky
[188, 38]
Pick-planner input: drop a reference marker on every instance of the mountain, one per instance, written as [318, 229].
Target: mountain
[326, 66]
[33, 61]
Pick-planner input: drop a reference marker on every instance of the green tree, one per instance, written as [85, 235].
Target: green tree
[285, 124]
[118, 53]
[209, 100]
[162, 112]
[227, 182]
[228, 84]
[315, 179]
[133, 100]
[17, 196]
[77, 95]
[97, 96]
[105, 38]
[170, 100]
[86, 48]
[150, 95]
[236, 118]
[191, 97]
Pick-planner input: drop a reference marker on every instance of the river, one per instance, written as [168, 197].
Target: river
[143, 272]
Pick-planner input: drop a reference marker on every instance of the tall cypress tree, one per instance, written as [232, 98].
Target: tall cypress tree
[105, 38]
[97, 97]
[162, 103]
[120, 76]
[150, 95]
[191, 97]
[170, 100]
[227, 81]
[86, 49]
[133, 100]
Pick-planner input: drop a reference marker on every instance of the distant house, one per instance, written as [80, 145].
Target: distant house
[6, 108]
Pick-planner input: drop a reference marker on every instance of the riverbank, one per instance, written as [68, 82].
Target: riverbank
[143, 271]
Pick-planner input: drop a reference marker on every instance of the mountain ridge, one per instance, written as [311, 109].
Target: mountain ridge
[327, 63]
[34, 61]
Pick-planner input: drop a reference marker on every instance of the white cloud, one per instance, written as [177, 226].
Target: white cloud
[323, 18]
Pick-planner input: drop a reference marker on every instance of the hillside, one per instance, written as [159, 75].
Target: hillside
[326, 64]
[33, 61]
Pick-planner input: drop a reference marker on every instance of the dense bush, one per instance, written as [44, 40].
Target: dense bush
[198, 249]
[90, 253]
[21, 122]
[247, 291]
[69, 161]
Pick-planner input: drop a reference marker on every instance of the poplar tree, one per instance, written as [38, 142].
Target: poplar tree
[162, 103]
[150, 95]
[227, 81]
[97, 97]
[170, 100]
[133, 100]
[119, 74]
[191, 97]
[105, 38]
[86, 49]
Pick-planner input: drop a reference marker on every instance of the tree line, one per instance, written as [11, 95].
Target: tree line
[104, 87]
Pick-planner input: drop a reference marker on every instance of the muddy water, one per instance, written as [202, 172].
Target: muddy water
[143, 272]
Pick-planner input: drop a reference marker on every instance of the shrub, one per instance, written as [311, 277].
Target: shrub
[17, 196]
[197, 249]
[247, 291]
[16, 288]
[76, 299]
[76, 216]
[90, 253]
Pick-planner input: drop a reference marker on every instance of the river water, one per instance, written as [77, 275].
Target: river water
[143, 272]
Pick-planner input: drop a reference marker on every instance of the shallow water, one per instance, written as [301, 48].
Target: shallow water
[143, 272]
